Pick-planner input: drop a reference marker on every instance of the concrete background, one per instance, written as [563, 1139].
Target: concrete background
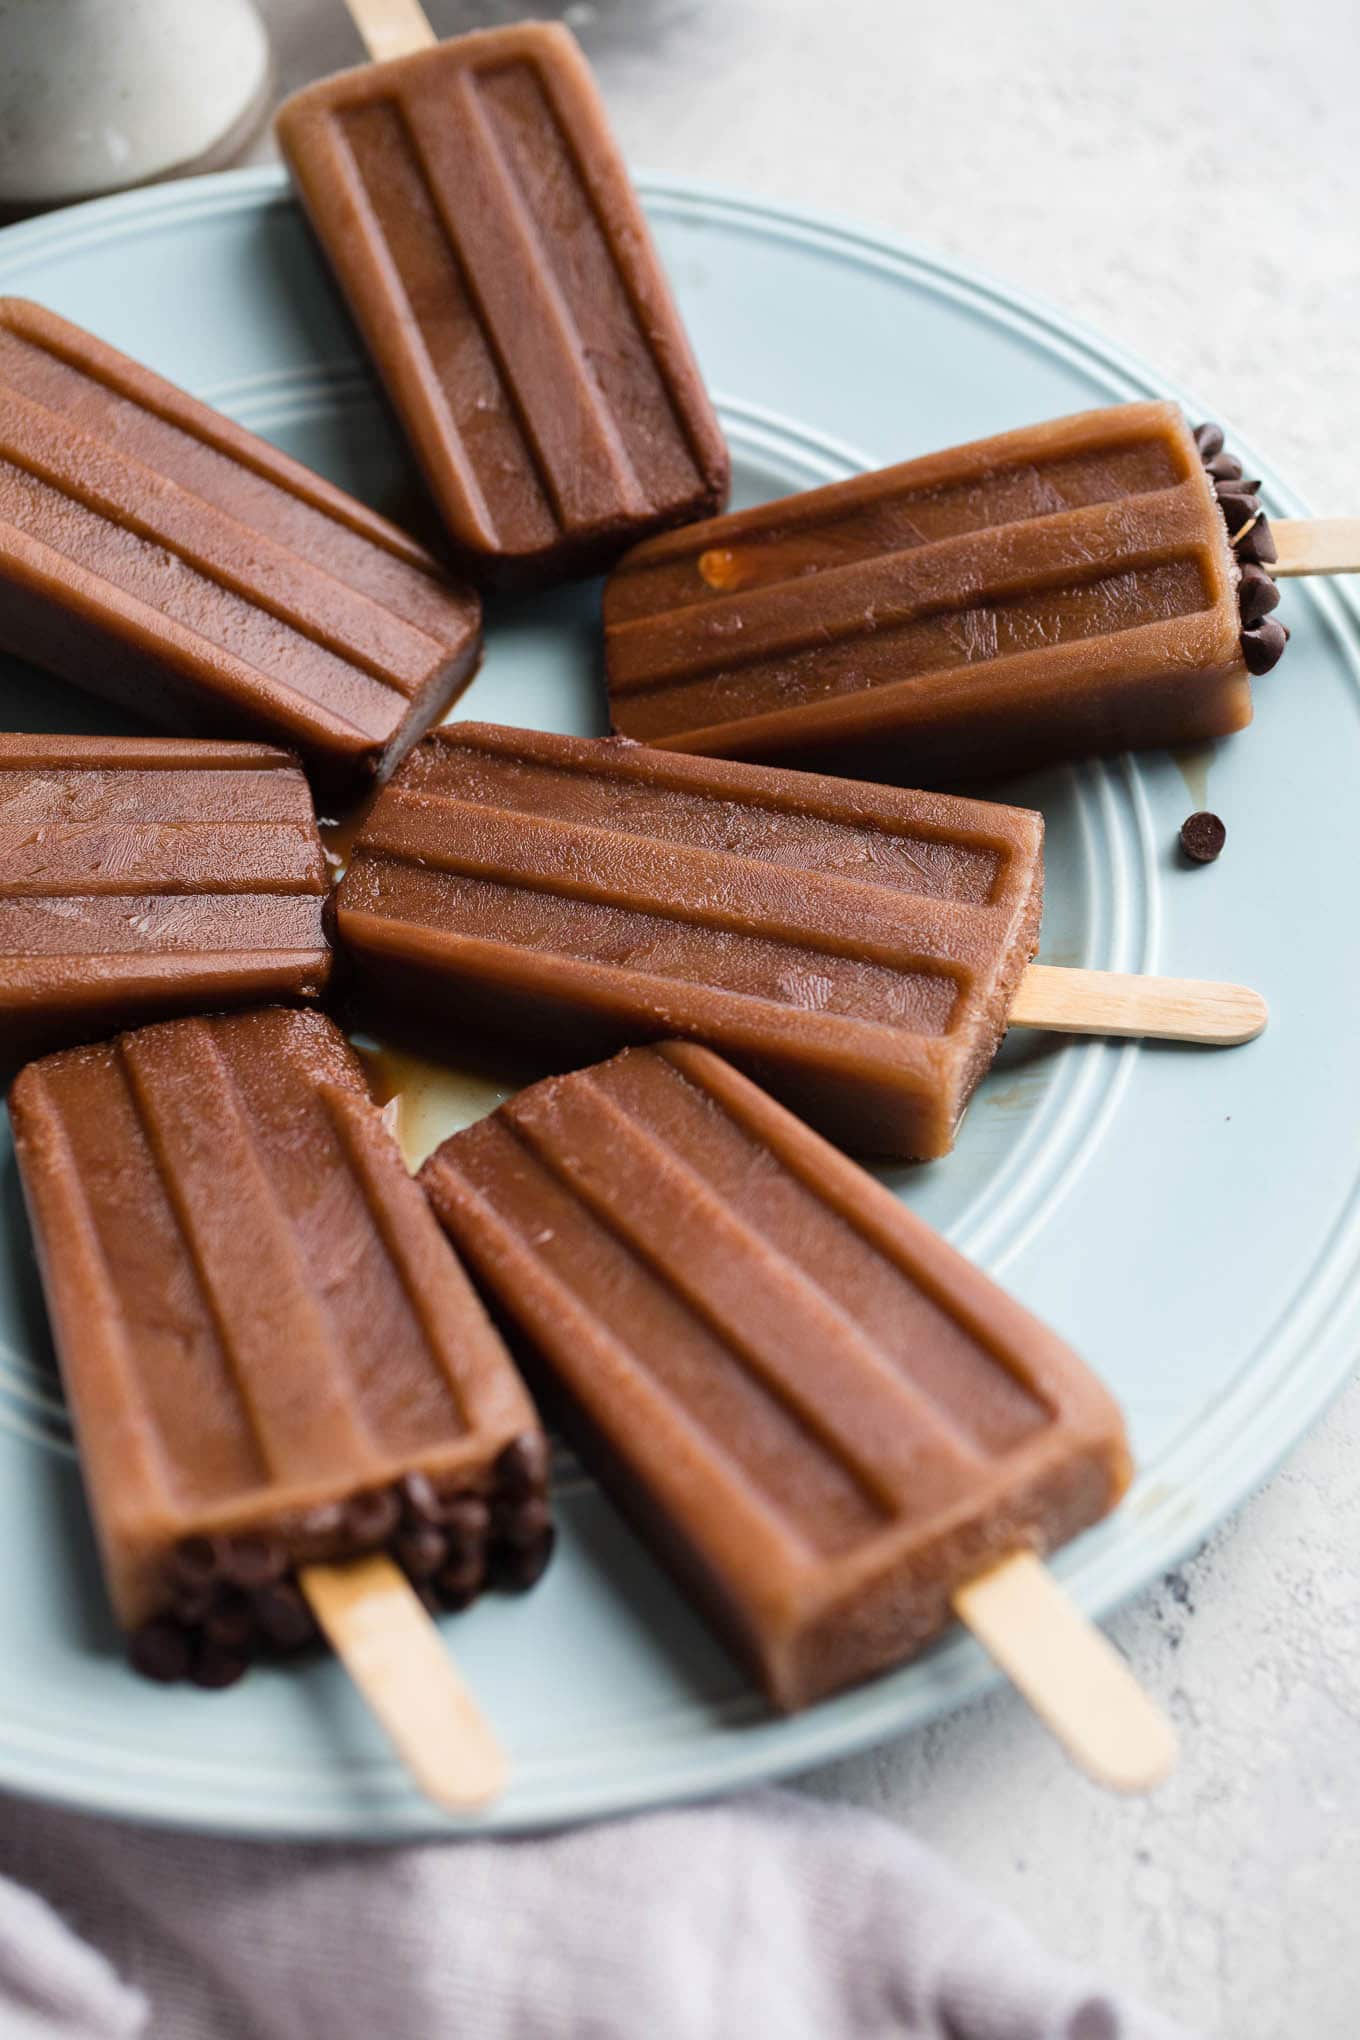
[1186, 175]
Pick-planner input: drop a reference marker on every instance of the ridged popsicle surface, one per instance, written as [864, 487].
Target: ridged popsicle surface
[141, 876]
[1064, 589]
[479, 218]
[856, 947]
[153, 552]
[822, 1416]
[260, 1328]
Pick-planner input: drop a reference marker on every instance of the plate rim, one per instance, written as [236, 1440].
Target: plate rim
[1242, 1442]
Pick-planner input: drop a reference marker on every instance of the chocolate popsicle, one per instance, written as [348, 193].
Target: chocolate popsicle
[859, 949]
[824, 1419]
[146, 876]
[1094, 584]
[273, 1360]
[479, 219]
[156, 554]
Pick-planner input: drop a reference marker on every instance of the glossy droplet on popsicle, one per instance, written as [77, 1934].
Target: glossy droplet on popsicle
[1065, 589]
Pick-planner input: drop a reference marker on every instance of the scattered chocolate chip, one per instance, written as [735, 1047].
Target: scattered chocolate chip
[460, 1582]
[215, 1667]
[196, 1561]
[1202, 837]
[370, 1519]
[1209, 440]
[524, 1523]
[1263, 645]
[1257, 594]
[1240, 487]
[467, 1520]
[422, 1552]
[284, 1617]
[161, 1651]
[520, 1566]
[1223, 467]
[420, 1500]
[231, 1623]
[1256, 544]
[522, 1468]
[253, 1561]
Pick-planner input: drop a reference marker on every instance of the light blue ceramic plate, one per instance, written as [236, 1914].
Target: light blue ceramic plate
[1188, 1219]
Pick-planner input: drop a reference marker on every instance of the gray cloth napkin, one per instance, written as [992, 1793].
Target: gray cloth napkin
[771, 1914]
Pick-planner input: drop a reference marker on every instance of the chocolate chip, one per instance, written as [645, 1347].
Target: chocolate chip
[422, 1552]
[323, 1526]
[1223, 467]
[192, 1605]
[284, 1617]
[1257, 594]
[524, 1523]
[231, 1623]
[1202, 837]
[520, 1566]
[522, 1468]
[1256, 544]
[427, 1597]
[420, 1500]
[467, 1520]
[1209, 439]
[460, 1582]
[196, 1561]
[215, 1667]
[160, 1651]
[1238, 508]
[370, 1519]
[253, 1561]
[1263, 645]
[1240, 487]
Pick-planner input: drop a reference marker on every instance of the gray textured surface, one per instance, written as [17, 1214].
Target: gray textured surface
[1184, 174]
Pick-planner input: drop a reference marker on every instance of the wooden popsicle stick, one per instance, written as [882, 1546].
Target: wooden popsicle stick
[1316, 545]
[1073, 1678]
[391, 28]
[396, 1657]
[1160, 1009]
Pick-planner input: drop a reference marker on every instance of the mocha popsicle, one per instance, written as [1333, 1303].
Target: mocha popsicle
[479, 219]
[155, 553]
[859, 949]
[273, 1360]
[825, 1421]
[1095, 584]
[146, 876]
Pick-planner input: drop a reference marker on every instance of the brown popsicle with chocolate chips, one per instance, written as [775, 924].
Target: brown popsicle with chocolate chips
[824, 1420]
[273, 1360]
[479, 219]
[157, 554]
[1095, 584]
[146, 876]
